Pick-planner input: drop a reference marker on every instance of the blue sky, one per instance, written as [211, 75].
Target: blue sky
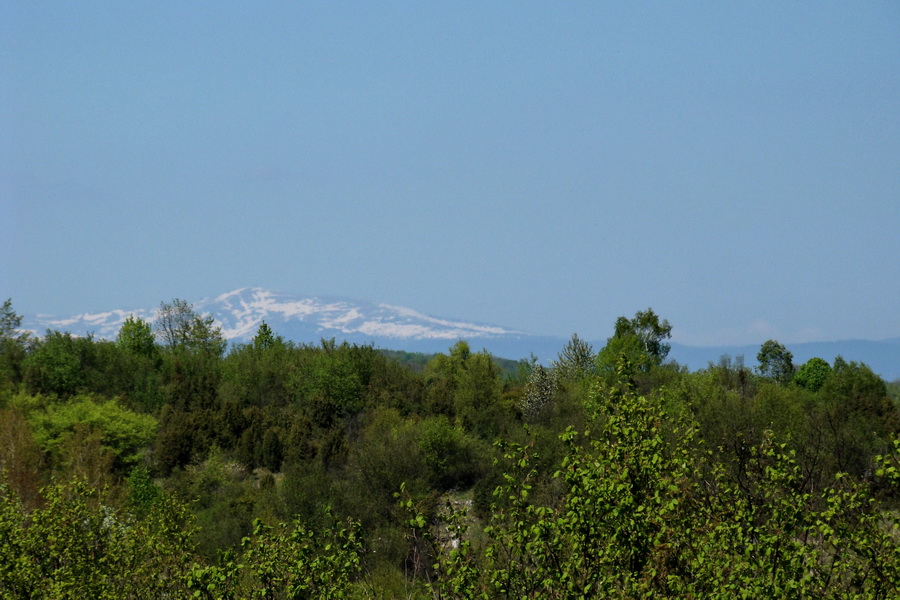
[542, 166]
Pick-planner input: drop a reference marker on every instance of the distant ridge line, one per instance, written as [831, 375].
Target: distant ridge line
[308, 319]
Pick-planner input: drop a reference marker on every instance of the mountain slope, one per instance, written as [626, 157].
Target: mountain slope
[308, 319]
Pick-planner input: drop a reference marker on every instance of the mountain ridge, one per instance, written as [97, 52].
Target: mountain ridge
[299, 318]
[309, 319]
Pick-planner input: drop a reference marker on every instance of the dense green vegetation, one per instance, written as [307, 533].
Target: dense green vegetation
[163, 464]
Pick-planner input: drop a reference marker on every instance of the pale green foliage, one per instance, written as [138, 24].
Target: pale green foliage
[646, 513]
[124, 432]
[136, 336]
[290, 562]
[296, 562]
[78, 546]
[812, 374]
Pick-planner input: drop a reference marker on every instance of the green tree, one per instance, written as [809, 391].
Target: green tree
[123, 433]
[468, 386]
[59, 364]
[257, 374]
[861, 416]
[10, 323]
[139, 363]
[330, 384]
[13, 343]
[265, 338]
[143, 493]
[136, 336]
[387, 454]
[272, 452]
[477, 396]
[813, 374]
[576, 360]
[640, 342]
[194, 358]
[180, 327]
[449, 455]
[441, 374]
[775, 361]
[650, 332]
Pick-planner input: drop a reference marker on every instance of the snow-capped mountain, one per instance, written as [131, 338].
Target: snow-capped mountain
[308, 319]
[240, 313]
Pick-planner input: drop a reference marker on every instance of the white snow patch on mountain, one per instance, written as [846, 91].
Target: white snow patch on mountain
[342, 321]
[400, 330]
[240, 312]
[469, 327]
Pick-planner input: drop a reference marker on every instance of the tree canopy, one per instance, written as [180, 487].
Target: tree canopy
[162, 465]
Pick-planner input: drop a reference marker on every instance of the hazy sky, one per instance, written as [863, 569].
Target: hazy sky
[542, 166]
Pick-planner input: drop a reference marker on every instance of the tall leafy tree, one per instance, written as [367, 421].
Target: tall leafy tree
[58, 365]
[265, 338]
[10, 323]
[813, 374]
[13, 343]
[136, 336]
[476, 398]
[775, 361]
[193, 361]
[649, 330]
[641, 341]
[575, 360]
[179, 326]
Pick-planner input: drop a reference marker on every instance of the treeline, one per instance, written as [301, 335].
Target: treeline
[164, 464]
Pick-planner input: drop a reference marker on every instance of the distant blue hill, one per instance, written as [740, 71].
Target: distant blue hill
[883, 357]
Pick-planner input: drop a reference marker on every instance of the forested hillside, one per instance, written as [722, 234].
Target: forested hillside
[166, 465]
